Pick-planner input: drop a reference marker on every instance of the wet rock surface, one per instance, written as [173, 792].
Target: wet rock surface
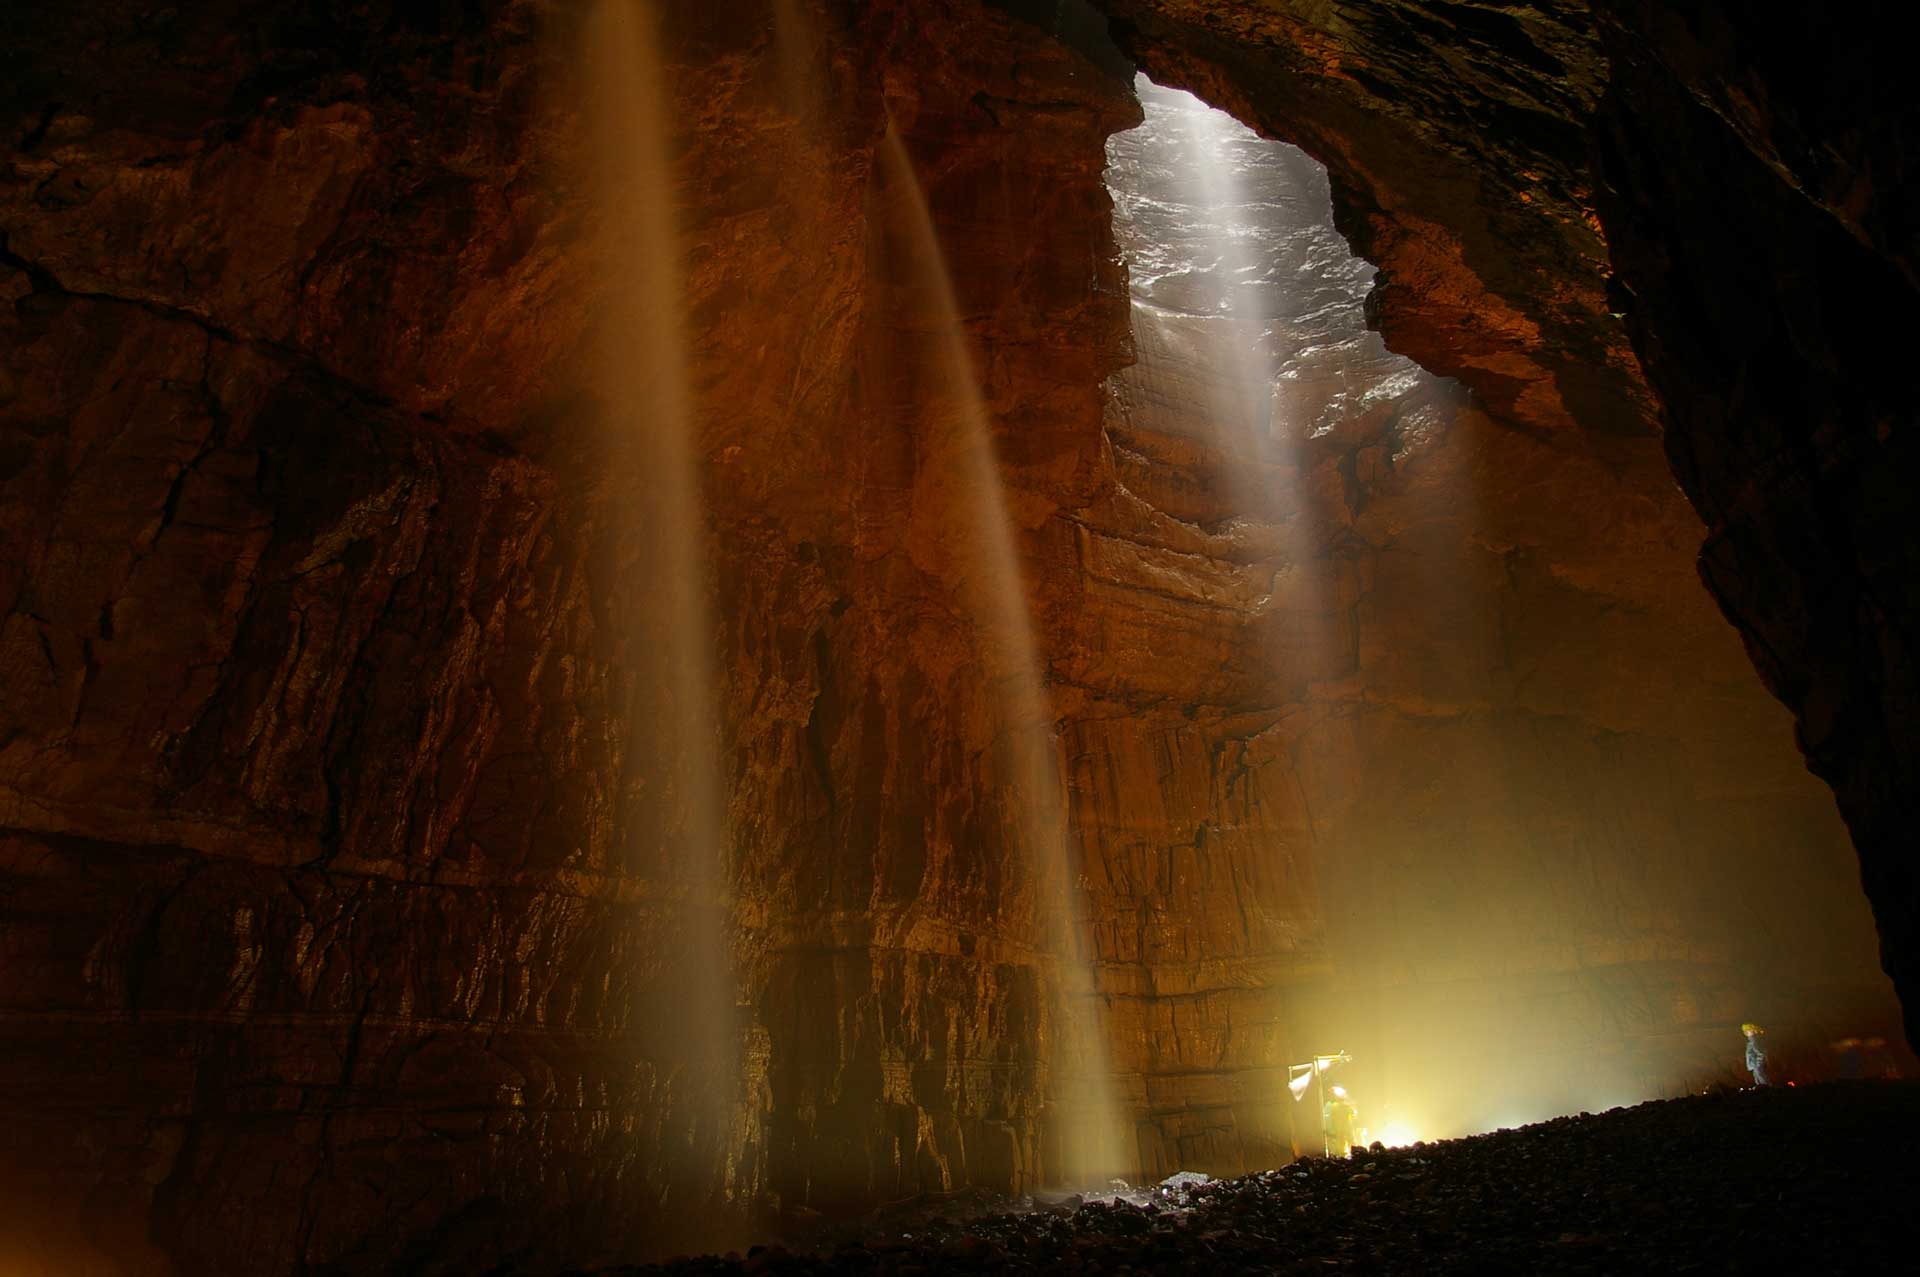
[1732, 192]
[335, 892]
[1802, 1179]
[1456, 670]
[1455, 136]
[330, 899]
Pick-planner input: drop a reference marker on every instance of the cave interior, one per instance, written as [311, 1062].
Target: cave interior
[625, 621]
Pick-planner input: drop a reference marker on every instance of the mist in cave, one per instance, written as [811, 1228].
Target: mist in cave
[1475, 975]
[647, 626]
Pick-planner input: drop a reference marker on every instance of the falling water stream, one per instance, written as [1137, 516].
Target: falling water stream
[1092, 1145]
[675, 827]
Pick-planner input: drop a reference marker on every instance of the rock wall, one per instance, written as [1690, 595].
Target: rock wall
[338, 893]
[1552, 840]
[1749, 177]
[1779, 150]
[338, 889]
[313, 952]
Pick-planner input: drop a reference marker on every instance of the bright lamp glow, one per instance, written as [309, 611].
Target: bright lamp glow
[1398, 1135]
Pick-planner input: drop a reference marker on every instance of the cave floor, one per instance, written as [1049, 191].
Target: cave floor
[1818, 1178]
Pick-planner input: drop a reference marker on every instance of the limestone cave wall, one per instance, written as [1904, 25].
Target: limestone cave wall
[1556, 831]
[335, 894]
[1734, 186]
[1782, 145]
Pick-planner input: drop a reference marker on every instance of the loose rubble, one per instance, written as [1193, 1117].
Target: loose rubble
[1816, 1178]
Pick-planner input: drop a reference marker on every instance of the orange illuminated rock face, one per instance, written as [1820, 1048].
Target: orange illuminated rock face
[329, 933]
[333, 913]
[1465, 699]
[1478, 153]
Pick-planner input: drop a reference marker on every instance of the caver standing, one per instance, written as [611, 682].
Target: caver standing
[1339, 1117]
[1756, 1054]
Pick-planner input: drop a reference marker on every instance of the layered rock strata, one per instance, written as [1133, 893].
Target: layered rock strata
[1735, 185]
[1548, 833]
[339, 892]
[339, 897]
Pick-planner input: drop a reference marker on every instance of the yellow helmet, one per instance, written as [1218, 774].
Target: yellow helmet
[1751, 1028]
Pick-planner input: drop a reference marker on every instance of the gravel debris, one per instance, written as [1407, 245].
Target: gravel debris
[1815, 1178]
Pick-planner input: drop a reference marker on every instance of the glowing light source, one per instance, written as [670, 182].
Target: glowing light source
[1397, 1135]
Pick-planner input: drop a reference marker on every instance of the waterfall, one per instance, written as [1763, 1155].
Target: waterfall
[995, 592]
[675, 831]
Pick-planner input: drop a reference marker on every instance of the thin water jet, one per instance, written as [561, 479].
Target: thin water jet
[992, 584]
[671, 822]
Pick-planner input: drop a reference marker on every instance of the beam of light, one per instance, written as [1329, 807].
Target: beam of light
[1229, 282]
[1249, 325]
[1197, 274]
